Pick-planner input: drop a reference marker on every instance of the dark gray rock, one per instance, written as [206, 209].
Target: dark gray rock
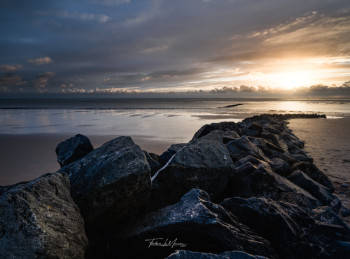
[72, 149]
[204, 163]
[314, 173]
[292, 232]
[241, 255]
[172, 150]
[301, 158]
[110, 182]
[39, 219]
[328, 215]
[319, 191]
[275, 139]
[154, 165]
[185, 254]
[194, 221]
[224, 126]
[251, 128]
[253, 177]
[242, 147]
[266, 146]
[280, 166]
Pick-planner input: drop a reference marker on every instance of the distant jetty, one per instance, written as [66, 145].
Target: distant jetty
[236, 190]
[231, 105]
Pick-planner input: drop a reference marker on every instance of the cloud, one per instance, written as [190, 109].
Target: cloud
[110, 2]
[8, 68]
[40, 61]
[11, 80]
[42, 81]
[102, 18]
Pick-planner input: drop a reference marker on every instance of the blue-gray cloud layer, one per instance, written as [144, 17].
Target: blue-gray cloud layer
[54, 46]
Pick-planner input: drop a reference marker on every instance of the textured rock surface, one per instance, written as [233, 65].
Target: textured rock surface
[242, 147]
[39, 219]
[111, 182]
[72, 149]
[154, 165]
[224, 126]
[320, 192]
[293, 233]
[164, 158]
[196, 222]
[183, 254]
[203, 163]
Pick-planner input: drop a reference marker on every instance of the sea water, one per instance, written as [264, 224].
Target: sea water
[176, 118]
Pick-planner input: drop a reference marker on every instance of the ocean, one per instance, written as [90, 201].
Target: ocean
[173, 118]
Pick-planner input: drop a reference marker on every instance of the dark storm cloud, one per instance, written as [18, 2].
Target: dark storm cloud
[162, 43]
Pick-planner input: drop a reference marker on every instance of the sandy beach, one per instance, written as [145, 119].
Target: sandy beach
[328, 142]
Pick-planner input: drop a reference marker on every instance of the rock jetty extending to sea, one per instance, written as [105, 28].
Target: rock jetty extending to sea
[236, 190]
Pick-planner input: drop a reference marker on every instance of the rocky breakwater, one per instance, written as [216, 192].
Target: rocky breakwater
[236, 190]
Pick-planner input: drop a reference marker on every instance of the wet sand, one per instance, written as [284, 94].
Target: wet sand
[328, 142]
[25, 157]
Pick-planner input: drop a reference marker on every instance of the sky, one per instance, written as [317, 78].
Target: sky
[144, 46]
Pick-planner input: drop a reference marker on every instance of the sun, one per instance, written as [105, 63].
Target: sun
[291, 80]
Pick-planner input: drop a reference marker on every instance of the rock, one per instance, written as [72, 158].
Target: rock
[242, 147]
[172, 150]
[184, 254]
[224, 126]
[344, 185]
[204, 163]
[254, 178]
[110, 183]
[301, 158]
[194, 221]
[154, 156]
[72, 149]
[276, 140]
[241, 255]
[39, 219]
[154, 165]
[252, 128]
[326, 214]
[314, 173]
[345, 212]
[292, 232]
[320, 192]
[280, 166]
[267, 147]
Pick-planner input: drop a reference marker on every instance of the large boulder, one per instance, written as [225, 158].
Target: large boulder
[223, 126]
[251, 128]
[194, 223]
[319, 191]
[72, 149]
[154, 165]
[39, 219]
[204, 163]
[185, 254]
[242, 147]
[253, 178]
[110, 183]
[314, 173]
[293, 233]
[172, 150]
